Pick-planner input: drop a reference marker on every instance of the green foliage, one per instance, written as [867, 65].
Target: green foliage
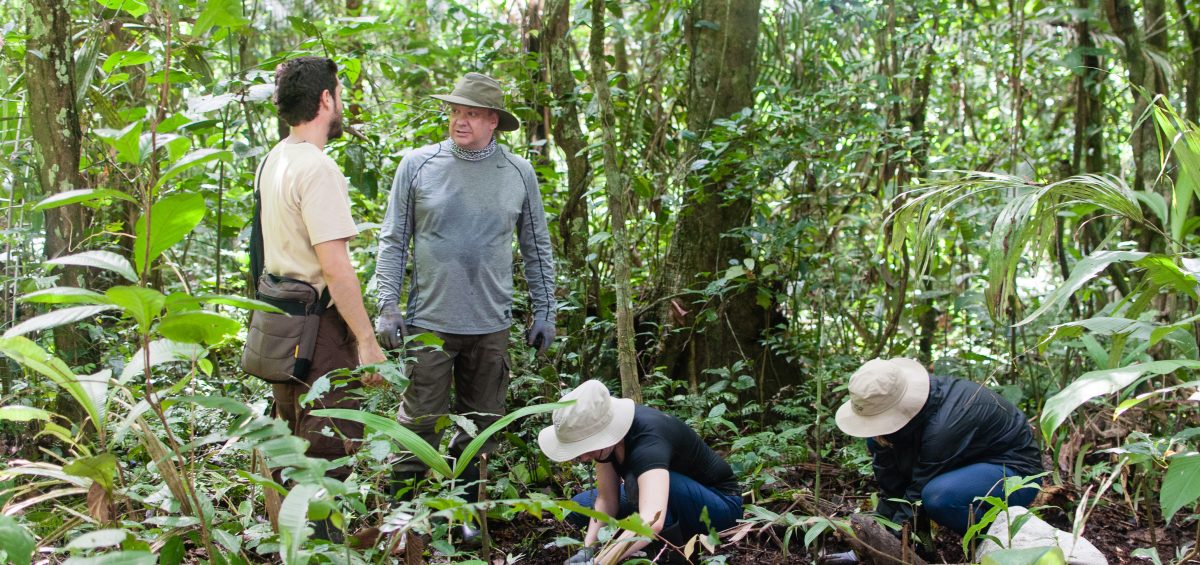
[170, 220]
[1099, 383]
[1181, 486]
[1030, 556]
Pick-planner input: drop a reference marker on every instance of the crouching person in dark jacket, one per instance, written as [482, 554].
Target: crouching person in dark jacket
[942, 441]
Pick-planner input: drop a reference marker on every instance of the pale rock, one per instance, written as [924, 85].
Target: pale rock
[1035, 532]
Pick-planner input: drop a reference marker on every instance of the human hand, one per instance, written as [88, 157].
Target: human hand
[389, 327]
[585, 556]
[541, 335]
[369, 353]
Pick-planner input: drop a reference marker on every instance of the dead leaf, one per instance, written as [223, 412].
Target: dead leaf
[100, 505]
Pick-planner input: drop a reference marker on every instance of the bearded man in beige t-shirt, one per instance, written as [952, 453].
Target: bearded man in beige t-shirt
[307, 226]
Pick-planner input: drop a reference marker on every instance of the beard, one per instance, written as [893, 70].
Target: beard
[336, 127]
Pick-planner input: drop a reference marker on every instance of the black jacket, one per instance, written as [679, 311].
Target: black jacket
[962, 423]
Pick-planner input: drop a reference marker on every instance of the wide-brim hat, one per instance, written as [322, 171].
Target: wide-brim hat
[481, 91]
[885, 395]
[595, 421]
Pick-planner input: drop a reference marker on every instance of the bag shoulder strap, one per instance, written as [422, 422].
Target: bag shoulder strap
[257, 258]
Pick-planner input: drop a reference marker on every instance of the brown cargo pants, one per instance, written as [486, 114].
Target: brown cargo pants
[477, 365]
[336, 349]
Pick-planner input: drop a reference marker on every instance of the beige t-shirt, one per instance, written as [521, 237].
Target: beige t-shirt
[305, 201]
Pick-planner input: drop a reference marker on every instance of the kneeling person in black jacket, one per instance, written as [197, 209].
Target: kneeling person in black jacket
[940, 440]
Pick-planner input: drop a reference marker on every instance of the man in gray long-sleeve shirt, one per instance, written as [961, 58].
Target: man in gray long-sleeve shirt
[459, 202]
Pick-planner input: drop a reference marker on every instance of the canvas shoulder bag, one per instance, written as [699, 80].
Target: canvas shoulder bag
[279, 346]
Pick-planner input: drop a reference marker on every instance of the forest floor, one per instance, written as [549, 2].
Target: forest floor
[1112, 527]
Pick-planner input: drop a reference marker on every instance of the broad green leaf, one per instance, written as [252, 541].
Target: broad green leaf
[64, 295]
[401, 435]
[1085, 270]
[237, 302]
[193, 159]
[15, 413]
[220, 13]
[172, 551]
[83, 195]
[637, 525]
[115, 558]
[100, 468]
[161, 351]
[1100, 325]
[315, 391]
[1098, 383]
[1155, 202]
[1164, 272]
[198, 327]
[106, 260]
[27, 354]
[1181, 486]
[57, 318]
[126, 59]
[98, 538]
[218, 403]
[477, 443]
[135, 8]
[227, 540]
[140, 303]
[127, 141]
[171, 219]
[16, 541]
[293, 523]
[1051, 555]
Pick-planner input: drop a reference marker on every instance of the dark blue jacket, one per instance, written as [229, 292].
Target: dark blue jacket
[962, 423]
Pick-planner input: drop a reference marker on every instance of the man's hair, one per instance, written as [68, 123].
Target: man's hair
[298, 87]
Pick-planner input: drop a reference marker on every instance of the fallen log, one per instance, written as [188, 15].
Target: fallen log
[874, 544]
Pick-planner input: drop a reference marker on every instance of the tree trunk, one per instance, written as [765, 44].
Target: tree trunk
[1142, 75]
[617, 205]
[1088, 152]
[1192, 69]
[54, 125]
[723, 37]
[569, 136]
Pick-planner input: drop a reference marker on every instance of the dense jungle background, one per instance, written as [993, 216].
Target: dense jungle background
[748, 199]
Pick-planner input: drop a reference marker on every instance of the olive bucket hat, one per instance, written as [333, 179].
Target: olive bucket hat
[885, 395]
[481, 91]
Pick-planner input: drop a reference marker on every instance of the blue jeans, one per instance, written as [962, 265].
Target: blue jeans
[685, 501]
[949, 497]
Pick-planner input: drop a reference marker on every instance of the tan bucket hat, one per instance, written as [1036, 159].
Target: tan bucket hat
[595, 421]
[481, 91]
[884, 396]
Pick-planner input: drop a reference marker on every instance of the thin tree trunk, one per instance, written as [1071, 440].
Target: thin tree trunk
[1088, 153]
[617, 205]
[56, 133]
[721, 80]
[569, 136]
[1191, 70]
[1142, 76]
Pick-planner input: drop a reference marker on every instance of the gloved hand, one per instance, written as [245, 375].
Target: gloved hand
[585, 556]
[846, 558]
[389, 327]
[541, 335]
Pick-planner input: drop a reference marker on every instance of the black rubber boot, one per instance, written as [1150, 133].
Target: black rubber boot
[324, 529]
[404, 484]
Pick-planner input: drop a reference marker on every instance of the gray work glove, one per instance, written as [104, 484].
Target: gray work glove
[389, 327]
[541, 335]
[846, 558]
[585, 556]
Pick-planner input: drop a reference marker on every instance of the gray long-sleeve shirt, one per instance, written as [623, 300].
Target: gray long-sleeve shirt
[460, 217]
